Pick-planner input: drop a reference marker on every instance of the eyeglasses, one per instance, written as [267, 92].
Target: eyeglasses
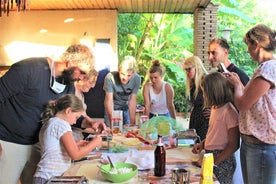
[212, 52]
[189, 69]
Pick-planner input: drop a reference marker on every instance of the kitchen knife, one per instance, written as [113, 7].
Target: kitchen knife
[89, 157]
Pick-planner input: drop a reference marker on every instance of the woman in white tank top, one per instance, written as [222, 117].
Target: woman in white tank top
[158, 95]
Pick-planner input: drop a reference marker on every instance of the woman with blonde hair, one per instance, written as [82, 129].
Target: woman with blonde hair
[199, 118]
[81, 87]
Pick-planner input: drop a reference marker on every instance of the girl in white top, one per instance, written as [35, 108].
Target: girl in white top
[158, 95]
[57, 143]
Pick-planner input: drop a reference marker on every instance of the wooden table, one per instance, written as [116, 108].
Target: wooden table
[181, 157]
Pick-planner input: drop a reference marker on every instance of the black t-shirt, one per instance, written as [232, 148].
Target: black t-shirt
[243, 76]
[94, 99]
[24, 90]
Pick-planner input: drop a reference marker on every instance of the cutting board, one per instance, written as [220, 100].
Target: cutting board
[182, 155]
[176, 156]
[126, 142]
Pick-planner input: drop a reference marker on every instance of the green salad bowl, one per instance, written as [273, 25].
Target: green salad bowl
[121, 176]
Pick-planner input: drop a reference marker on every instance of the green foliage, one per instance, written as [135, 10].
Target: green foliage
[237, 15]
[170, 39]
[174, 73]
[176, 77]
[130, 29]
[181, 102]
[140, 99]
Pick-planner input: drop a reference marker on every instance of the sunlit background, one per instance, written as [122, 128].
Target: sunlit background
[18, 48]
[49, 33]
[267, 6]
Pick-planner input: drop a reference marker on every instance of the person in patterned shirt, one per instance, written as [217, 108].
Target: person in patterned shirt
[256, 103]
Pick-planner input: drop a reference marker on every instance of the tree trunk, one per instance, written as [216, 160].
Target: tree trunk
[144, 37]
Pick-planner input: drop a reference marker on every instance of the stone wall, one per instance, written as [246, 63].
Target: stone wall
[205, 29]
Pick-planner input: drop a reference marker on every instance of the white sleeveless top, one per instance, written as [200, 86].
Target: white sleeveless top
[158, 101]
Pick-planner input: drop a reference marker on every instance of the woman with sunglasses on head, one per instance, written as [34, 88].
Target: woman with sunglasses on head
[256, 103]
[199, 118]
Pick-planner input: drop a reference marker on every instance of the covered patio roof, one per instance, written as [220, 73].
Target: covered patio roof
[123, 6]
[204, 11]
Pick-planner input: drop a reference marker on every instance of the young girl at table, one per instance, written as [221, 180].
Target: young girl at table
[222, 138]
[56, 140]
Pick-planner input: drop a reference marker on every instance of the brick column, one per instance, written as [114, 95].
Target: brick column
[205, 28]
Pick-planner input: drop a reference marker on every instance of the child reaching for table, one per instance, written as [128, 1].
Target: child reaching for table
[56, 140]
[222, 138]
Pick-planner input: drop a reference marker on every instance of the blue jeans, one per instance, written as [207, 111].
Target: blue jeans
[258, 163]
[153, 115]
[126, 118]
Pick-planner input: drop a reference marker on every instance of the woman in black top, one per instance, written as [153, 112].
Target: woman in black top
[199, 118]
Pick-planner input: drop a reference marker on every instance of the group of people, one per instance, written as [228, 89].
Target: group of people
[121, 88]
[40, 99]
[24, 91]
[227, 107]
[213, 115]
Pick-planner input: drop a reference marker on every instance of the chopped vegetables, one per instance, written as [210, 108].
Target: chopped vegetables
[135, 134]
[118, 149]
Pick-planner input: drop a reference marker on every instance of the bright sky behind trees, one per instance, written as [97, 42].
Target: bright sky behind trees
[267, 6]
